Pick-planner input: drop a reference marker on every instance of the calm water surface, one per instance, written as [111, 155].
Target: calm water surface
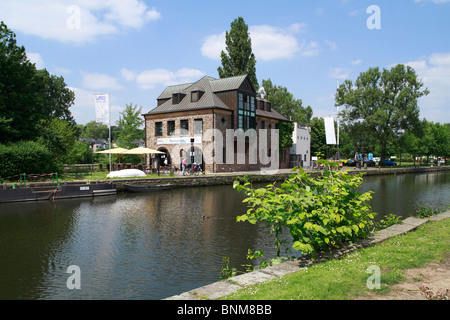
[152, 246]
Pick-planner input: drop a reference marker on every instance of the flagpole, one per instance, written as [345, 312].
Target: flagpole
[102, 110]
[110, 143]
[338, 128]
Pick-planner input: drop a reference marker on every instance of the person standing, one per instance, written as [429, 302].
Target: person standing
[183, 165]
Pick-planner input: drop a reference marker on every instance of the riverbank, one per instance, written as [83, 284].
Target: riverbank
[179, 181]
[252, 176]
[342, 273]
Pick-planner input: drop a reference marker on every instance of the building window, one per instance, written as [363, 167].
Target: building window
[158, 129]
[198, 126]
[261, 105]
[263, 124]
[177, 97]
[170, 128]
[184, 125]
[269, 107]
[196, 95]
[246, 117]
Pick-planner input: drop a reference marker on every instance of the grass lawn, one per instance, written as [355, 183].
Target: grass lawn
[101, 175]
[346, 278]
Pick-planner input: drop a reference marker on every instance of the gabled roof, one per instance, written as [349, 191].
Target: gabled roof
[208, 100]
[209, 86]
[271, 114]
[227, 84]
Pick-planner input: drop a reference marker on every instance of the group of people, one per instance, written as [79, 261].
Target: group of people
[195, 167]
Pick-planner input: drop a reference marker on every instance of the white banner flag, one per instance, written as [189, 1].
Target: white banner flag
[329, 130]
[102, 108]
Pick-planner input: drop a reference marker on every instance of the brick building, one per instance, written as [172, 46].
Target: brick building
[187, 114]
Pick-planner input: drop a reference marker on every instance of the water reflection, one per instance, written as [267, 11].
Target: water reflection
[402, 194]
[151, 246]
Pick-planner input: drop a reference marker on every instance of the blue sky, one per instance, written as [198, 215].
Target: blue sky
[134, 49]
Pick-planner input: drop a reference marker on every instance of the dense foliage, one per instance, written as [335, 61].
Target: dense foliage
[26, 157]
[29, 98]
[239, 58]
[319, 212]
[384, 102]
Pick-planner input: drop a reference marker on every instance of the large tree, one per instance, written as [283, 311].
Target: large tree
[239, 59]
[385, 102]
[29, 98]
[284, 102]
[130, 126]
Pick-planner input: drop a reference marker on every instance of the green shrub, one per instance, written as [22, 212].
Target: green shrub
[319, 212]
[26, 157]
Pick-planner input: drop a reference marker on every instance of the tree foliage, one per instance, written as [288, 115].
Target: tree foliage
[239, 58]
[130, 124]
[26, 157]
[284, 102]
[29, 98]
[385, 102]
[319, 212]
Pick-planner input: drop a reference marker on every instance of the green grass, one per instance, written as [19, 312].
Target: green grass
[101, 175]
[346, 278]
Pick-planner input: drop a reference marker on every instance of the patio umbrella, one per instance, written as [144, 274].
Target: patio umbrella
[119, 152]
[114, 151]
[142, 151]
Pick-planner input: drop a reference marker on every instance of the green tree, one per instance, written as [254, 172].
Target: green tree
[319, 140]
[284, 102]
[319, 212]
[239, 59]
[130, 126]
[29, 98]
[436, 140]
[384, 101]
[59, 137]
[95, 130]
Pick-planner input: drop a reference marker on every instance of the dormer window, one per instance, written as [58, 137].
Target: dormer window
[177, 97]
[269, 107]
[261, 104]
[196, 95]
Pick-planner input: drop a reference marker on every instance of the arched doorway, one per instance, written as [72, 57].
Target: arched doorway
[163, 157]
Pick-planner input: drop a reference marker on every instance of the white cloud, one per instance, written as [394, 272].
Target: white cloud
[434, 1]
[149, 79]
[339, 73]
[310, 49]
[213, 45]
[356, 62]
[268, 43]
[36, 58]
[78, 23]
[333, 46]
[128, 74]
[434, 71]
[83, 109]
[99, 81]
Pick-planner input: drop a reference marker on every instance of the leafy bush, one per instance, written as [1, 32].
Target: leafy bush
[425, 211]
[26, 157]
[319, 212]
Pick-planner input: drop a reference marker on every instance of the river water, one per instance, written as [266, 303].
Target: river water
[152, 246]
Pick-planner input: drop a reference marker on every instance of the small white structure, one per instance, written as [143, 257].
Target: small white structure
[301, 149]
[127, 173]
